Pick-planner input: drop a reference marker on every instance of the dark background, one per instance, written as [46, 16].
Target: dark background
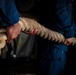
[21, 66]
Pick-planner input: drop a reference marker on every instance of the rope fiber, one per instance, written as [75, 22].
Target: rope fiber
[28, 24]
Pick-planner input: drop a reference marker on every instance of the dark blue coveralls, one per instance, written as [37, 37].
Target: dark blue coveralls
[55, 15]
[8, 13]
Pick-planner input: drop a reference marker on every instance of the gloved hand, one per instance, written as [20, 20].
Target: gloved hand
[13, 31]
[69, 41]
[33, 32]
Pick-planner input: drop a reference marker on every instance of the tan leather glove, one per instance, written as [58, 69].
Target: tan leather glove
[69, 41]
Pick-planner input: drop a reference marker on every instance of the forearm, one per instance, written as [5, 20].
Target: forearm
[64, 19]
[8, 12]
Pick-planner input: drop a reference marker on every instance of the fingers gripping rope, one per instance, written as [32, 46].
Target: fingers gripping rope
[28, 24]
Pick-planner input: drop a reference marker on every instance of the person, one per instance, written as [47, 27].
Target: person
[15, 48]
[55, 15]
[9, 18]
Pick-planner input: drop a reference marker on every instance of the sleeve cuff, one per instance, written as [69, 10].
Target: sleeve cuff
[10, 20]
[69, 33]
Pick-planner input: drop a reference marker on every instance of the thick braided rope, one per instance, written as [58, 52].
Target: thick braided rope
[28, 24]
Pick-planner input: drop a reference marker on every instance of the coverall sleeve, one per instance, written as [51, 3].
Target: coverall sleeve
[64, 18]
[8, 12]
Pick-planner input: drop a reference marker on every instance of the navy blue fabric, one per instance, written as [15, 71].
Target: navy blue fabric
[53, 67]
[55, 15]
[8, 12]
[52, 58]
[52, 51]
